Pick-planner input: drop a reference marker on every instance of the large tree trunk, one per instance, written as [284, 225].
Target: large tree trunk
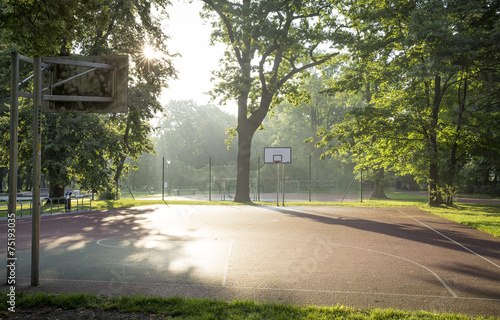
[462, 98]
[55, 177]
[243, 167]
[118, 173]
[435, 198]
[121, 163]
[56, 191]
[4, 171]
[378, 185]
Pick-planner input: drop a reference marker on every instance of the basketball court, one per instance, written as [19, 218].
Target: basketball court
[359, 257]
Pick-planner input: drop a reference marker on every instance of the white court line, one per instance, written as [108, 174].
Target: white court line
[446, 237]
[226, 269]
[107, 245]
[454, 295]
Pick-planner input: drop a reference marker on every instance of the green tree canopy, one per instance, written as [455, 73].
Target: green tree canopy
[270, 43]
[191, 133]
[435, 64]
[96, 27]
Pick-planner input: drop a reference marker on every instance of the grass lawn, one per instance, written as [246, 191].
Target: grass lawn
[479, 216]
[187, 308]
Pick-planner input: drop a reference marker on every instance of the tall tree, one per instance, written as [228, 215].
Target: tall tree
[97, 27]
[269, 44]
[433, 57]
[191, 133]
[128, 27]
[356, 77]
[81, 156]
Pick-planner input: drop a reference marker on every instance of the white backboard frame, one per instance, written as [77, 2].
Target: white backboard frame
[272, 154]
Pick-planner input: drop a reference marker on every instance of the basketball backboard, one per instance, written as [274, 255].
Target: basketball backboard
[278, 155]
[86, 84]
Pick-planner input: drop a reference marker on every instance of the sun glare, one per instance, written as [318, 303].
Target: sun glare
[150, 52]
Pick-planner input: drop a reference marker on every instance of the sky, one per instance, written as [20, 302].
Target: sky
[190, 37]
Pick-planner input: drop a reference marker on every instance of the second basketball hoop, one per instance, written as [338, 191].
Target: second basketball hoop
[278, 155]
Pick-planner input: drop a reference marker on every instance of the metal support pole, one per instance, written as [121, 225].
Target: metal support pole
[283, 184]
[130, 191]
[258, 179]
[278, 182]
[361, 187]
[37, 156]
[310, 177]
[348, 188]
[14, 119]
[163, 179]
[209, 178]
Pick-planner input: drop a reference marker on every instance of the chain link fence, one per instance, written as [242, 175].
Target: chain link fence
[305, 179]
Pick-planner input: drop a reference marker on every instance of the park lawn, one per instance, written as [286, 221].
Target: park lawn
[478, 216]
[188, 308]
[482, 217]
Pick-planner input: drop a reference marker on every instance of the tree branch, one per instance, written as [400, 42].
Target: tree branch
[229, 28]
[304, 67]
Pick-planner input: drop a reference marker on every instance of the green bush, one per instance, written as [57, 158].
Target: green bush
[108, 194]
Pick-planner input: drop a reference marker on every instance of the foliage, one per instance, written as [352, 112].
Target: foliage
[134, 128]
[192, 133]
[435, 68]
[270, 45]
[108, 193]
[72, 147]
[480, 175]
[292, 123]
[93, 27]
[187, 135]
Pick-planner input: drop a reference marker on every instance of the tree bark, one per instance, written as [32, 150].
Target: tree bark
[120, 165]
[243, 166]
[56, 191]
[435, 198]
[118, 173]
[4, 171]
[462, 98]
[378, 184]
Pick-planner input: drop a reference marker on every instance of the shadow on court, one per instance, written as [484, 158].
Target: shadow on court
[487, 246]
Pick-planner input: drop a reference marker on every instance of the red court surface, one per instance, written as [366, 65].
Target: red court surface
[359, 257]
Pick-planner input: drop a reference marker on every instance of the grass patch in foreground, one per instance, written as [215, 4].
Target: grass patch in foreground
[188, 308]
